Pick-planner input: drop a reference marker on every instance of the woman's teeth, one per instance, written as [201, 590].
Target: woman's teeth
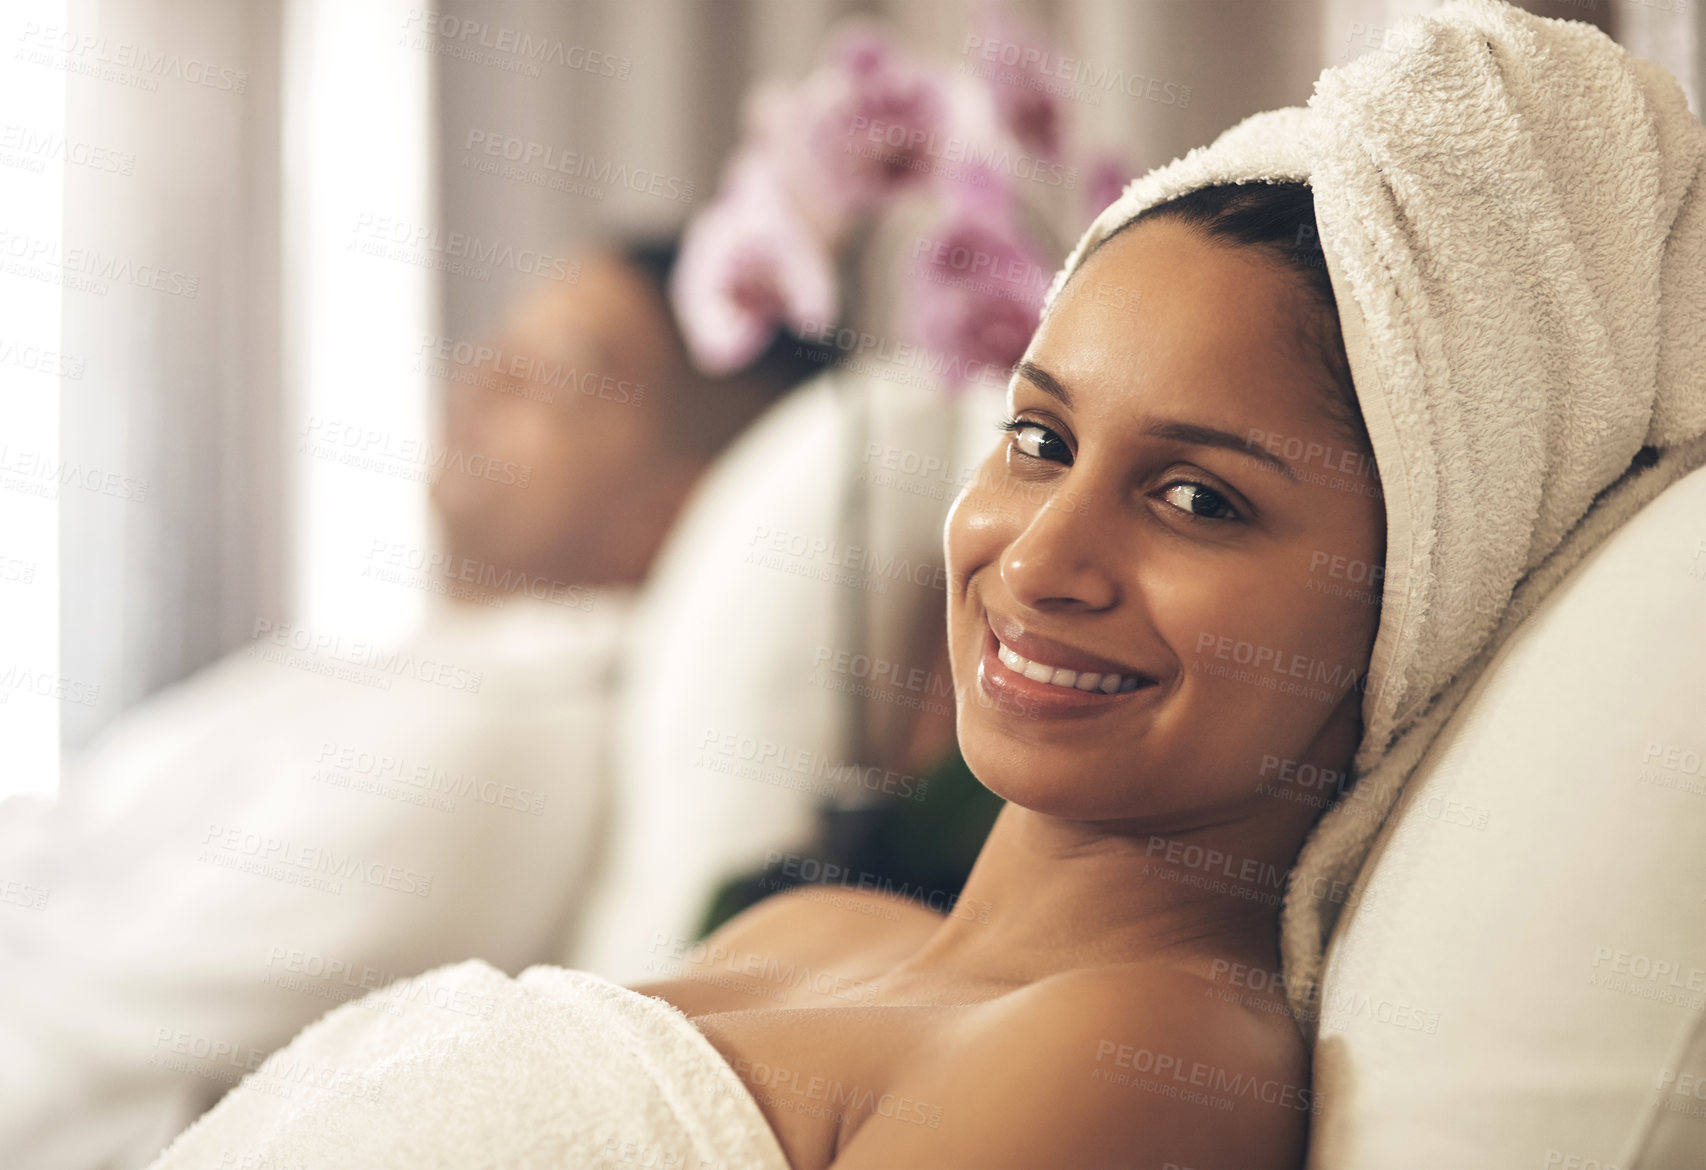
[1082, 680]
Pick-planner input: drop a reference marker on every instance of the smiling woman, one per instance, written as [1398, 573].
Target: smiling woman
[1119, 567]
[1192, 549]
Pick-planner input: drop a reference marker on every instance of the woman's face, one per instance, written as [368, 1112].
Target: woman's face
[1175, 508]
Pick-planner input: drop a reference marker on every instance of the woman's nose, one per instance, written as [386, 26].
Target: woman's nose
[1060, 558]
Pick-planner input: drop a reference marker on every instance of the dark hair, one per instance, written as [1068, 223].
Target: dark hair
[1279, 220]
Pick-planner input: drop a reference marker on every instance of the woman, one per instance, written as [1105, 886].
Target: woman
[1127, 541]
[1155, 658]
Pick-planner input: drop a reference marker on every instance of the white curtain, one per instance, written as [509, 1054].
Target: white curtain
[34, 369]
[165, 564]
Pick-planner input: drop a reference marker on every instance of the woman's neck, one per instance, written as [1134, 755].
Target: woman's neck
[1048, 895]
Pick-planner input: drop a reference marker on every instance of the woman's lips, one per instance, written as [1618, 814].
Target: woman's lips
[996, 679]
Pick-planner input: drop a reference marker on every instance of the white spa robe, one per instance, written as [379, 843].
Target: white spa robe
[265, 840]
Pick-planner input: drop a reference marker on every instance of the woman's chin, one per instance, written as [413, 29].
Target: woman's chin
[1043, 783]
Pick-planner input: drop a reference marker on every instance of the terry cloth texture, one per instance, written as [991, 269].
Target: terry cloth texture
[464, 1068]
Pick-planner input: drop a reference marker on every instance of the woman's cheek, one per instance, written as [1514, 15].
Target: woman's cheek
[980, 523]
[1236, 638]
[1201, 607]
[1333, 616]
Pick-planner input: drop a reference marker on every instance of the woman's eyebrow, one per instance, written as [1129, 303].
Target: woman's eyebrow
[1201, 436]
[1044, 381]
[1179, 432]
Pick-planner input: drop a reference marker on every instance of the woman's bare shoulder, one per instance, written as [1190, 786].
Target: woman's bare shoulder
[1129, 1065]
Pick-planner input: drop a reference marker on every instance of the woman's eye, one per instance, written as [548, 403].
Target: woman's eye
[1036, 441]
[1199, 502]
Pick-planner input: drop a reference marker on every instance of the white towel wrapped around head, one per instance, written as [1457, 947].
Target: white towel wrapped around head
[1513, 213]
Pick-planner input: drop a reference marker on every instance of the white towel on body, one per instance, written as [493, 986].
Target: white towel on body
[1513, 214]
[463, 1067]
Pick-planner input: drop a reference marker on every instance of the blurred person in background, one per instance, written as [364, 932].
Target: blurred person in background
[285, 831]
